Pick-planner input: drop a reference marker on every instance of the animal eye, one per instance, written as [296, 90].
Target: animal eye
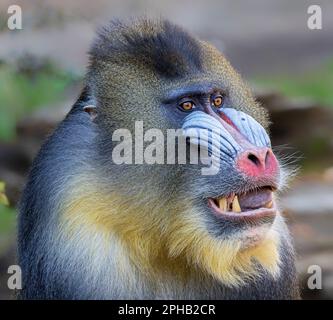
[218, 101]
[187, 105]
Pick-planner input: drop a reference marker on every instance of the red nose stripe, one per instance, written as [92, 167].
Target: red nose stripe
[227, 120]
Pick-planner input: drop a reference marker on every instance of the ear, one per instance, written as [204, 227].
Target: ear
[91, 110]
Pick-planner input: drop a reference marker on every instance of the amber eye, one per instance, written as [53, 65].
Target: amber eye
[218, 101]
[187, 105]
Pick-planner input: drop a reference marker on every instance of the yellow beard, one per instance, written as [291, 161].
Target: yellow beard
[179, 245]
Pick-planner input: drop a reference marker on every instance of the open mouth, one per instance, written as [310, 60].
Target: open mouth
[254, 203]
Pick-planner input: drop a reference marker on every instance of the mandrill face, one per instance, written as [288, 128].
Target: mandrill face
[247, 171]
[225, 224]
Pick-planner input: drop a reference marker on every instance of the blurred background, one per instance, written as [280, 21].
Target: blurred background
[289, 67]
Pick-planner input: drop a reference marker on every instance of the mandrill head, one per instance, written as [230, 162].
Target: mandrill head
[149, 77]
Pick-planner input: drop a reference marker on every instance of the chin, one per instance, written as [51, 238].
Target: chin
[233, 247]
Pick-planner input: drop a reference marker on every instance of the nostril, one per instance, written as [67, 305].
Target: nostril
[257, 162]
[267, 157]
[253, 158]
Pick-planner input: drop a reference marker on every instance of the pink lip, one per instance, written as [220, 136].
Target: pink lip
[246, 216]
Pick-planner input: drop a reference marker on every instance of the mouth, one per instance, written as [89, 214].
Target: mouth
[251, 205]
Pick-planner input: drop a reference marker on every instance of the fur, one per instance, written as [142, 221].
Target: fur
[90, 229]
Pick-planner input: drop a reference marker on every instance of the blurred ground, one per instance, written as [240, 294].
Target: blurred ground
[266, 40]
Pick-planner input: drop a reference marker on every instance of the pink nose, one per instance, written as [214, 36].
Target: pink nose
[258, 162]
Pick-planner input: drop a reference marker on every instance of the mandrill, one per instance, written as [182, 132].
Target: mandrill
[94, 227]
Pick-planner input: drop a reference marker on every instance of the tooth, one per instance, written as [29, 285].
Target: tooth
[223, 204]
[235, 205]
[269, 205]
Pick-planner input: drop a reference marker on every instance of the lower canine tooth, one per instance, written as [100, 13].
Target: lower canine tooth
[223, 204]
[235, 205]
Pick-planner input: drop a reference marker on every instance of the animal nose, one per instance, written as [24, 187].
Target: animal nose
[258, 162]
